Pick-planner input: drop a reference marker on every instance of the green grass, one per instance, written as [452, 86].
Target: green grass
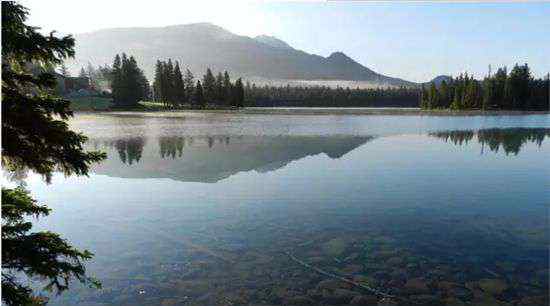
[90, 103]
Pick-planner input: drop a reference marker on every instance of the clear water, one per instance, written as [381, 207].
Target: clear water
[247, 209]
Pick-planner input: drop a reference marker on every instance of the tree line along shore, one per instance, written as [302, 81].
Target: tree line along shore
[176, 88]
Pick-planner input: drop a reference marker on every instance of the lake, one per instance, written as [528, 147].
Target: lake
[252, 209]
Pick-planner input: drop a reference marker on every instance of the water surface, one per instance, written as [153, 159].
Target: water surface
[222, 209]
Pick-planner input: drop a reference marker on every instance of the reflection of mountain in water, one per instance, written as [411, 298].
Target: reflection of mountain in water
[511, 139]
[210, 159]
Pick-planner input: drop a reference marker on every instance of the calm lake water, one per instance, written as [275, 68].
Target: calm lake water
[220, 209]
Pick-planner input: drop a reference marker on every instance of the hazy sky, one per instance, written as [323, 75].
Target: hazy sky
[410, 40]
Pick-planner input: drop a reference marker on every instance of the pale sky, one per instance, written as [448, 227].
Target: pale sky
[410, 40]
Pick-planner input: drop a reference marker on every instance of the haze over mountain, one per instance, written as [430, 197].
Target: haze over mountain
[201, 45]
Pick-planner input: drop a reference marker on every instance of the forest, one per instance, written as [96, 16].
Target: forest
[516, 90]
[324, 96]
[174, 87]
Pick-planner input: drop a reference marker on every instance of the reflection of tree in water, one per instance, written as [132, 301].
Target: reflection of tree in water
[511, 139]
[456, 137]
[171, 146]
[130, 149]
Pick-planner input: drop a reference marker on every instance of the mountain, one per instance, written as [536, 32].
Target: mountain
[273, 42]
[201, 45]
[439, 79]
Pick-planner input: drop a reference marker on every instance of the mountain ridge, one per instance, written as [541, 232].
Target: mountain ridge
[202, 45]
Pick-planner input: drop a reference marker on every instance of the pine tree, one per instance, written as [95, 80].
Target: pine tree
[169, 79]
[444, 95]
[157, 83]
[189, 84]
[129, 82]
[179, 87]
[518, 86]
[433, 96]
[116, 83]
[198, 97]
[64, 71]
[488, 93]
[219, 89]
[35, 136]
[227, 89]
[209, 85]
[238, 96]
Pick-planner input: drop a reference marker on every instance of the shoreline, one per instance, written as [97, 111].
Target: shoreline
[296, 111]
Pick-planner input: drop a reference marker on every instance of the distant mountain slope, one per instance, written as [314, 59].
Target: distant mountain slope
[273, 42]
[202, 45]
[439, 79]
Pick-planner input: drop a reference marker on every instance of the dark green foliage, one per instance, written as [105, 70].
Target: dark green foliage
[238, 93]
[178, 85]
[64, 71]
[227, 89]
[174, 89]
[129, 85]
[324, 96]
[189, 84]
[209, 85]
[170, 85]
[35, 136]
[515, 91]
[220, 94]
[198, 97]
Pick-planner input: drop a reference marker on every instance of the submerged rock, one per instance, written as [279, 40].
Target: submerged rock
[364, 300]
[394, 261]
[339, 296]
[335, 247]
[299, 301]
[493, 286]
[352, 269]
[331, 284]
[416, 286]
[387, 302]
[425, 299]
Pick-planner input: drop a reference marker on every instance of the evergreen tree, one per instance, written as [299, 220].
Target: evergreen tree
[64, 71]
[129, 84]
[500, 96]
[219, 89]
[116, 82]
[169, 80]
[518, 89]
[157, 83]
[189, 85]
[238, 96]
[227, 89]
[35, 136]
[82, 73]
[209, 85]
[179, 87]
[433, 96]
[488, 93]
[444, 95]
[198, 97]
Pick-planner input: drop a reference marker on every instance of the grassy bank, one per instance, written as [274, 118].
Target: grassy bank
[90, 103]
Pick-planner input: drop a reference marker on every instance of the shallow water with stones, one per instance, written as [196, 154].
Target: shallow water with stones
[218, 209]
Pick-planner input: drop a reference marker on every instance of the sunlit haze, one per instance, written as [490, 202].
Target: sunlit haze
[414, 41]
